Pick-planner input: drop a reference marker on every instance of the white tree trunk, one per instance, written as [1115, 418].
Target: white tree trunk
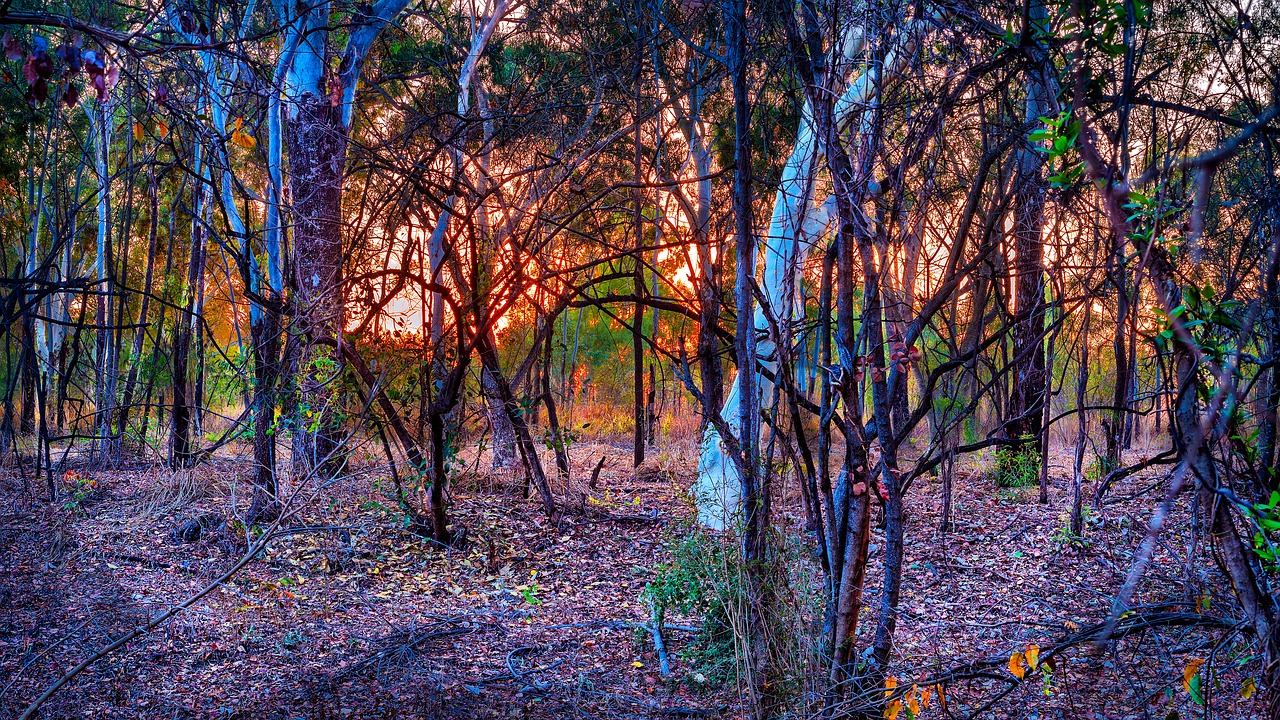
[795, 226]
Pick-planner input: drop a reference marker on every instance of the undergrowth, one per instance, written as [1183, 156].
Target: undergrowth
[706, 579]
[1017, 468]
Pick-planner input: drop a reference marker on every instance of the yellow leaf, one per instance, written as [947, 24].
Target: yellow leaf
[890, 683]
[1191, 670]
[637, 664]
[137, 131]
[912, 703]
[244, 140]
[1015, 665]
[1248, 689]
[892, 709]
[1033, 656]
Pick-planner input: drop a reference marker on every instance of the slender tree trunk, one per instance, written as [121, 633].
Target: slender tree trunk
[501, 430]
[489, 357]
[29, 372]
[752, 504]
[265, 335]
[135, 354]
[637, 314]
[1082, 384]
[1120, 392]
[182, 446]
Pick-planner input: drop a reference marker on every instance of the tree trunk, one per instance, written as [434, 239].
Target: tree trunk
[1026, 406]
[265, 335]
[135, 355]
[489, 357]
[505, 455]
[1082, 384]
[182, 446]
[637, 219]
[316, 140]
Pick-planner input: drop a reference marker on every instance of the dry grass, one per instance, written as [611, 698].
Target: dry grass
[171, 490]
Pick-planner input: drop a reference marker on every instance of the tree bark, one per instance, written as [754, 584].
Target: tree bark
[316, 140]
[1026, 408]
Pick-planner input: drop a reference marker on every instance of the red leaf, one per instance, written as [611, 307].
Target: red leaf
[12, 48]
[29, 69]
[71, 96]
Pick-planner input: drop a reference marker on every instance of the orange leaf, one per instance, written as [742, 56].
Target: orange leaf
[1191, 670]
[892, 709]
[890, 683]
[1033, 656]
[1015, 665]
[925, 694]
[137, 131]
[162, 128]
[912, 702]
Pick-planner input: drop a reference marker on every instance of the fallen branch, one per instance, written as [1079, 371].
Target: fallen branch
[412, 642]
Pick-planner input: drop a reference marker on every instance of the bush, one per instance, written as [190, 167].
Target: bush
[1017, 468]
[704, 579]
[1098, 469]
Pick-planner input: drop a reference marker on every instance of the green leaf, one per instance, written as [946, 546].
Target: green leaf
[1194, 688]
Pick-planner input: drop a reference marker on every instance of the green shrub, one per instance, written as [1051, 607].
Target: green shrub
[1017, 468]
[1098, 469]
[704, 579]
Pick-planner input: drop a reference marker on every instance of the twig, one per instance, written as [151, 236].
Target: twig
[595, 474]
[655, 629]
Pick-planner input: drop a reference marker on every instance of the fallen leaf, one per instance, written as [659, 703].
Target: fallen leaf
[1190, 671]
[1015, 665]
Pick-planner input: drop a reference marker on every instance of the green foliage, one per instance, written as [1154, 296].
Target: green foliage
[1098, 469]
[1059, 136]
[1017, 468]
[1266, 521]
[704, 579]
[1211, 324]
[530, 594]
[1065, 537]
[1148, 215]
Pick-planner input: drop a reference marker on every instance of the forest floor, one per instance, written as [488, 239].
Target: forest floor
[354, 618]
